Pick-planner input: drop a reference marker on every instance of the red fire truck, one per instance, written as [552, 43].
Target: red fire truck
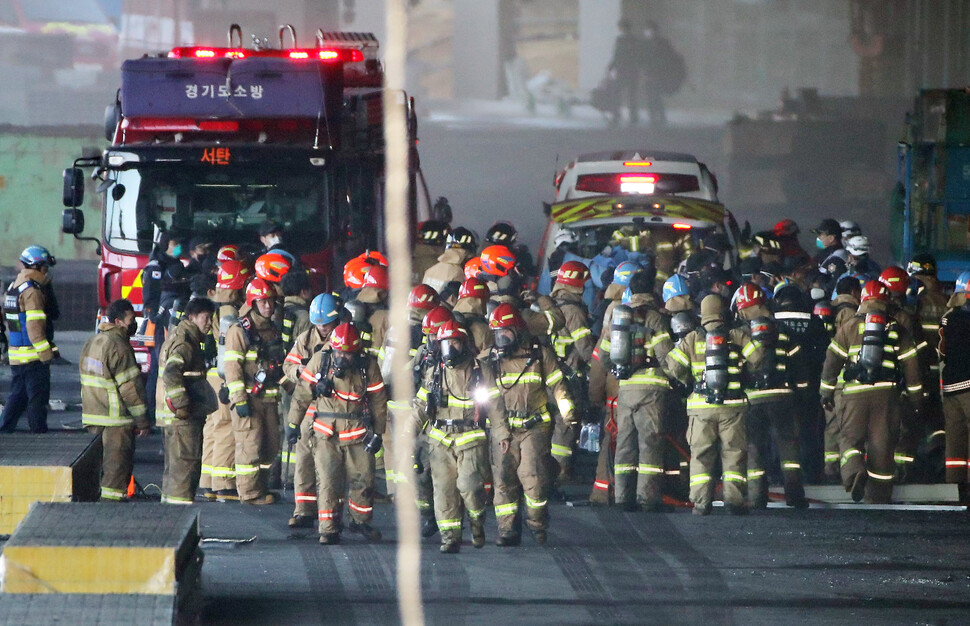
[214, 141]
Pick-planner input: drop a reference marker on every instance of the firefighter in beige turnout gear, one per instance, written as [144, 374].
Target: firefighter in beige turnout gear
[638, 343]
[711, 359]
[451, 407]
[574, 344]
[113, 397]
[325, 312]
[349, 413]
[183, 400]
[868, 356]
[252, 369]
[523, 370]
[218, 441]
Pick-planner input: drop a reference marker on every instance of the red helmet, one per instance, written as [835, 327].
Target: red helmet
[823, 310]
[346, 338]
[434, 319]
[747, 295]
[377, 278]
[473, 267]
[875, 290]
[785, 228]
[354, 271]
[272, 266]
[423, 297]
[232, 275]
[259, 289]
[451, 330]
[506, 316]
[473, 288]
[373, 257]
[228, 253]
[572, 274]
[895, 279]
[497, 260]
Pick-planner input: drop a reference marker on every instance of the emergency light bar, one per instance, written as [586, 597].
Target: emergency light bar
[342, 55]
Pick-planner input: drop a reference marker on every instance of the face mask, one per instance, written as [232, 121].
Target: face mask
[817, 293]
[177, 251]
[342, 364]
[272, 240]
[819, 244]
[452, 354]
[505, 341]
[132, 328]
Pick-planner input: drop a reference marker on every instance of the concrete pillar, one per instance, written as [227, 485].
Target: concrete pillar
[597, 33]
[483, 39]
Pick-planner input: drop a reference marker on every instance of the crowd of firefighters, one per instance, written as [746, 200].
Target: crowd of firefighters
[684, 368]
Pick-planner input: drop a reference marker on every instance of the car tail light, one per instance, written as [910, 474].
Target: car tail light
[679, 226]
[637, 163]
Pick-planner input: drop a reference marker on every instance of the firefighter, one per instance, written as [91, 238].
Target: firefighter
[523, 370]
[635, 349]
[349, 413]
[603, 385]
[183, 399]
[506, 285]
[711, 359]
[955, 388]
[574, 345]
[253, 358]
[504, 234]
[771, 414]
[869, 354]
[24, 307]
[451, 408]
[113, 397]
[828, 240]
[859, 260]
[911, 426]
[844, 307]
[429, 246]
[470, 311]
[296, 320]
[929, 302]
[450, 268]
[325, 313]
[272, 267]
[218, 444]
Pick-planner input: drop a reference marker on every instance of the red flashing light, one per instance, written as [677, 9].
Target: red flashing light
[299, 54]
[340, 55]
[201, 53]
[220, 126]
[328, 55]
[637, 163]
[679, 226]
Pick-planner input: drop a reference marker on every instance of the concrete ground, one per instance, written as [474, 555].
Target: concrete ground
[600, 565]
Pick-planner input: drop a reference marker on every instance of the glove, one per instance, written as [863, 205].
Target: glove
[224, 395]
[417, 464]
[827, 403]
[292, 434]
[373, 443]
[242, 409]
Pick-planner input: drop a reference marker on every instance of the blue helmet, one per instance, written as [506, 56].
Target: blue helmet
[37, 256]
[675, 286]
[962, 281]
[624, 272]
[325, 309]
[627, 297]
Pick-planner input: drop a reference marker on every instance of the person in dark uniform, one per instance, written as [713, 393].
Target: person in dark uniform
[625, 68]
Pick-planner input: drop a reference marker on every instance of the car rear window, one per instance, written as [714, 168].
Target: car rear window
[637, 182]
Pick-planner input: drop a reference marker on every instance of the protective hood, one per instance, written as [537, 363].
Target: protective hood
[455, 256]
[614, 292]
[474, 306]
[870, 306]
[678, 304]
[568, 292]
[372, 295]
[712, 310]
[753, 312]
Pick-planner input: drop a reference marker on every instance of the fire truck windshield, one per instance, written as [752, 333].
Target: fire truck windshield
[227, 203]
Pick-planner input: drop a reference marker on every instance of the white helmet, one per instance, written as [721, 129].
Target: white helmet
[849, 229]
[565, 236]
[858, 245]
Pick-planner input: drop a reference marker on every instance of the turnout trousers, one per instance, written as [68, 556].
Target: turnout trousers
[248, 435]
[304, 473]
[868, 432]
[218, 446]
[183, 461]
[708, 430]
[346, 472]
[459, 482]
[766, 421]
[118, 451]
[522, 472]
[639, 459]
[956, 413]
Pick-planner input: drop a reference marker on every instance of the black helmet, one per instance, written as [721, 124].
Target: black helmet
[433, 232]
[463, 238]
[501, 233]
[922, 264]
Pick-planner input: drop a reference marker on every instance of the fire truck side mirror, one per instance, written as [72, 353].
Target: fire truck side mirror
[72, 222]
[73, 187]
